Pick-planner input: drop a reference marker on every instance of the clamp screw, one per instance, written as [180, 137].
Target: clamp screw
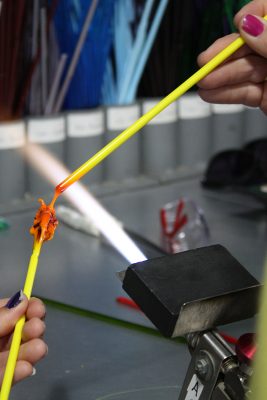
[204, 367]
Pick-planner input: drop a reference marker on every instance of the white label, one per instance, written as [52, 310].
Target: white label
[46, 130]
[191, 106]
[166, 116]
[263, 188]
[85, 124]
[121, 117]
[226, 108]
[12, 135]
[194, 389]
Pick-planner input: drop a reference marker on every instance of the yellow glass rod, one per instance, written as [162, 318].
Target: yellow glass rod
[142, 121]
[15, 344]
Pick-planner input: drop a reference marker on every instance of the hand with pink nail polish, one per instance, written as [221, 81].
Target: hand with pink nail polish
[242, 78]
[32, 348]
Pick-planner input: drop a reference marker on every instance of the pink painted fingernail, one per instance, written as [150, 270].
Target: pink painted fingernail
[252, 25]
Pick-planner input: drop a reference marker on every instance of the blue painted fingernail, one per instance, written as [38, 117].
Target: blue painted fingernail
[15, 300]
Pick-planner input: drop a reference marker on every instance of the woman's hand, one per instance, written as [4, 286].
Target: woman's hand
[32, 348]
[242, 78]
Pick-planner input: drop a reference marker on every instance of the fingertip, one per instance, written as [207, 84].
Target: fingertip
[238, 18]
[23, 370]
[19, 298]
[253, 30]
[201, 59]
[34, 350]
[41, 348]
[34, 328]
[36, 308]
[36, 300]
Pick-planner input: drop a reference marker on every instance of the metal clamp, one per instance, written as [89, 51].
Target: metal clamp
[211, 356]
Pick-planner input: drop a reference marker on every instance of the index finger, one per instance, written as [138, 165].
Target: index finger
[218, 46]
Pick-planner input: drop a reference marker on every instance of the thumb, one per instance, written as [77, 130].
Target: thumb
[253, 29]
[11, 312]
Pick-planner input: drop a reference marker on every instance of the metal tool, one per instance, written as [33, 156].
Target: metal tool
[190, 294]
[217, 371]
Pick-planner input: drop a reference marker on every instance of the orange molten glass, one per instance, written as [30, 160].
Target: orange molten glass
[45, 223]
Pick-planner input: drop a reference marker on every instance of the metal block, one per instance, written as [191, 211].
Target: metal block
[192, 291]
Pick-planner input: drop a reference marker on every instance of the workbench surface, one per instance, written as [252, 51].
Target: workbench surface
[92, 354]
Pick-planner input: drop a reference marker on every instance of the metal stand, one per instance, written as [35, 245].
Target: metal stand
[214, 371]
